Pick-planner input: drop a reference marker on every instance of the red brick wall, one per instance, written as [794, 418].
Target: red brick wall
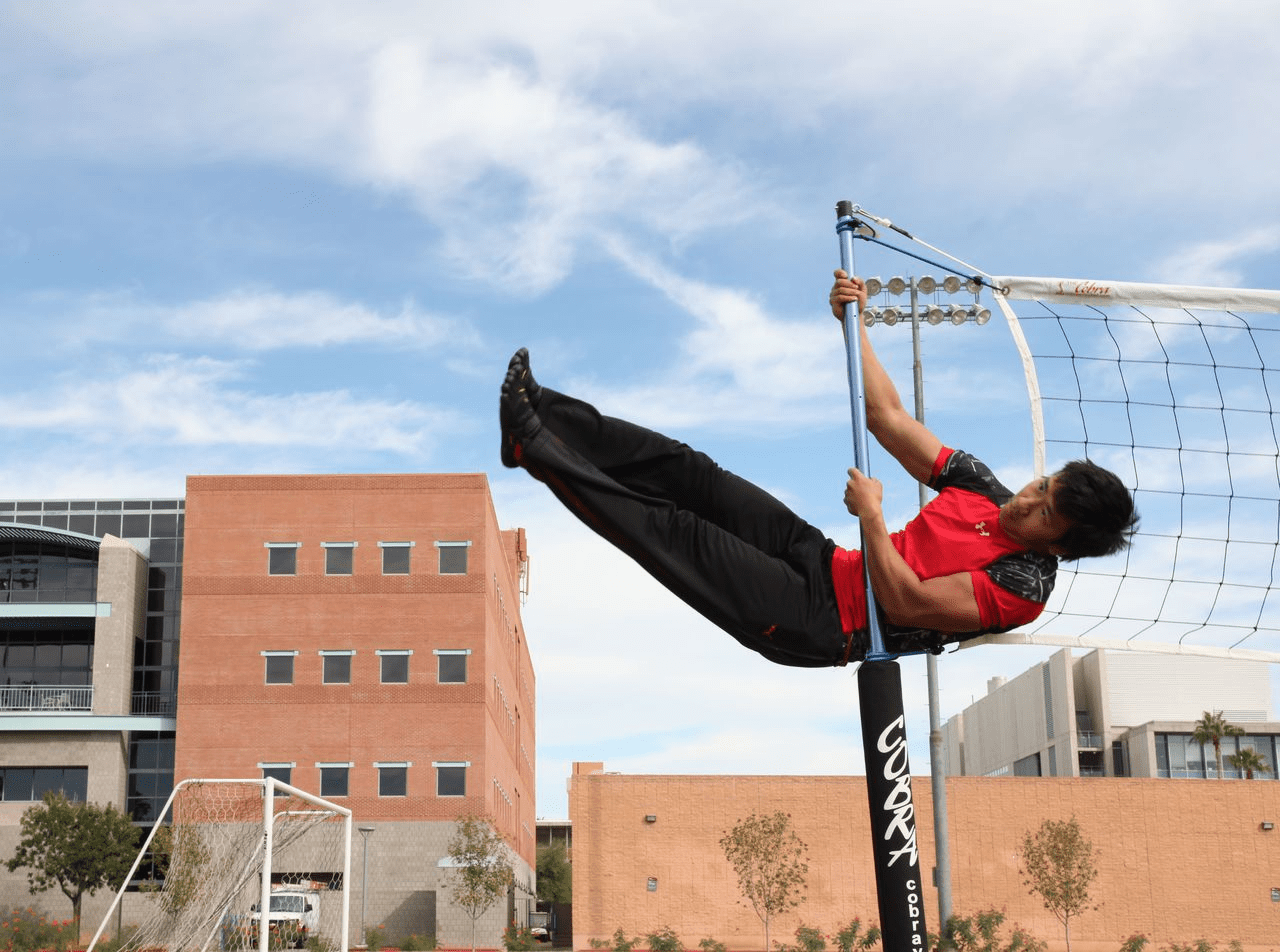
[229, 720]
[1179, 859]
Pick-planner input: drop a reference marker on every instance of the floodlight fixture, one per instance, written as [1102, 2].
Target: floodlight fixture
[932, 313]
[870, 315]
[951, 284]
[896, 285]
[874, 286]
[927, 284]
[890, 315]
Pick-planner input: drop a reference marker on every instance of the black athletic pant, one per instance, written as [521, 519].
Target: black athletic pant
[728, 549]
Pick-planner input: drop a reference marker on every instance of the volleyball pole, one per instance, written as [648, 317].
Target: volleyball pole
[884, 737]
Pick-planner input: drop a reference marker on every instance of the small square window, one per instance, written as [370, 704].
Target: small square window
[282, 559]
[393, 780]
[451, 780]
[333, 780]
[453, 557]
[452, 667]
[337, 668]
[395, 667]
[338, 558]
[281, 772]
[280, 668]
[395, 558]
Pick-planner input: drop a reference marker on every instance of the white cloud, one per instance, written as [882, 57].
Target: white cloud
[172, 400]
[1220, 263]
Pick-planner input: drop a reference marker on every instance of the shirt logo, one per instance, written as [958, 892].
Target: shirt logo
[982, 528]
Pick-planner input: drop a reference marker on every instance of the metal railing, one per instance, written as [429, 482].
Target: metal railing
[46, 698]
[154, 702]
[1090, 739]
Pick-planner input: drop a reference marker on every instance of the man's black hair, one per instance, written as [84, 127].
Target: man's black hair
[1100, 508]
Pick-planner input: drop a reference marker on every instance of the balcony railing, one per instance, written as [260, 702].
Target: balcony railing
[154, 702]
[46, 698]
[1089, 739]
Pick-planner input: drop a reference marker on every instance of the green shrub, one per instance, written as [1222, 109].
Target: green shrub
[1135, 943]
[375, 938]
[981, 933]
[664, 940]
[848, 939]
[619, 942]
[418, 943]
[25, 930]
[516, 938]
[711, 945]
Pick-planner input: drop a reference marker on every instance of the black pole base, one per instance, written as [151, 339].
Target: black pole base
[893, 815]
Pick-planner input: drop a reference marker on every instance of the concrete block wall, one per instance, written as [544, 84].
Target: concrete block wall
[1178, 859]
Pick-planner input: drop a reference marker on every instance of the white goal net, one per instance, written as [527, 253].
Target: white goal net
[223, 851]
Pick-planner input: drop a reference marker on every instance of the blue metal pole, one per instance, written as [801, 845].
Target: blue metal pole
[899, 889]
[845, 226]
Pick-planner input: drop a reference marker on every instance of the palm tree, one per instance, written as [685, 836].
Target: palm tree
[1250, 762]
[1210, 729]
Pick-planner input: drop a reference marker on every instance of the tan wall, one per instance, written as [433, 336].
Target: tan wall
[1178, 859]
[122, 582]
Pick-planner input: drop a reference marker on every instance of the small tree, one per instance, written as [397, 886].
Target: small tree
[1210, 729]
[555, 875]
[79, 847]
[1249, 762]
[482, 871]
[769, 859]
[1058, 866]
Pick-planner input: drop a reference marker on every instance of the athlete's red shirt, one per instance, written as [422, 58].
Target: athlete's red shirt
[958, 531]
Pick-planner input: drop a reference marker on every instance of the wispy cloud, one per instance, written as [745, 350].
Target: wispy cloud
[174, 400]
[1221, 263]
[257, 320]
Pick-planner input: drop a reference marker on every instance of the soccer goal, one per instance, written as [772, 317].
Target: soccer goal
[238, 865]
[1177, 390]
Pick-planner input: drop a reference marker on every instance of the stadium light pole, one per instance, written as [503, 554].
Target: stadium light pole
[934, 314]
[364, 880]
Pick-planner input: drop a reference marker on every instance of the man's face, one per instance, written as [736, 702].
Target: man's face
[1030, 518]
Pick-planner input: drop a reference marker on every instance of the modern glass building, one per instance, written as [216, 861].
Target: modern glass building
[89, 629]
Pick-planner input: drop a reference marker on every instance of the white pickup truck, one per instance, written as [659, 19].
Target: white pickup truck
[293, 909]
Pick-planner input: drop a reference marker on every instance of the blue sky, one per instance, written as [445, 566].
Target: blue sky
[288, 237]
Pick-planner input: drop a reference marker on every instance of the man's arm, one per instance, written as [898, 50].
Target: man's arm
[905, 438]
[946, 603]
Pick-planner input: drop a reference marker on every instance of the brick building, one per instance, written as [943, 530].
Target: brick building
[357, 636]
[1178, 860]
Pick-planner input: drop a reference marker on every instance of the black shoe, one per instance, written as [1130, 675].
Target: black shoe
[516, 415]
[520, 361]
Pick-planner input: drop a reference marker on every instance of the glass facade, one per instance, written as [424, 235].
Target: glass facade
[33, 571]
[155, 528]
[1177, 755]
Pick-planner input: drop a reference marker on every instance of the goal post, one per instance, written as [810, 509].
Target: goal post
[239, 865]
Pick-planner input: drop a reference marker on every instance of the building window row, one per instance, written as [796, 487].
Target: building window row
[30, 784]
[340, 557]
[393, 777]
[393, 665]
[1178, 755]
